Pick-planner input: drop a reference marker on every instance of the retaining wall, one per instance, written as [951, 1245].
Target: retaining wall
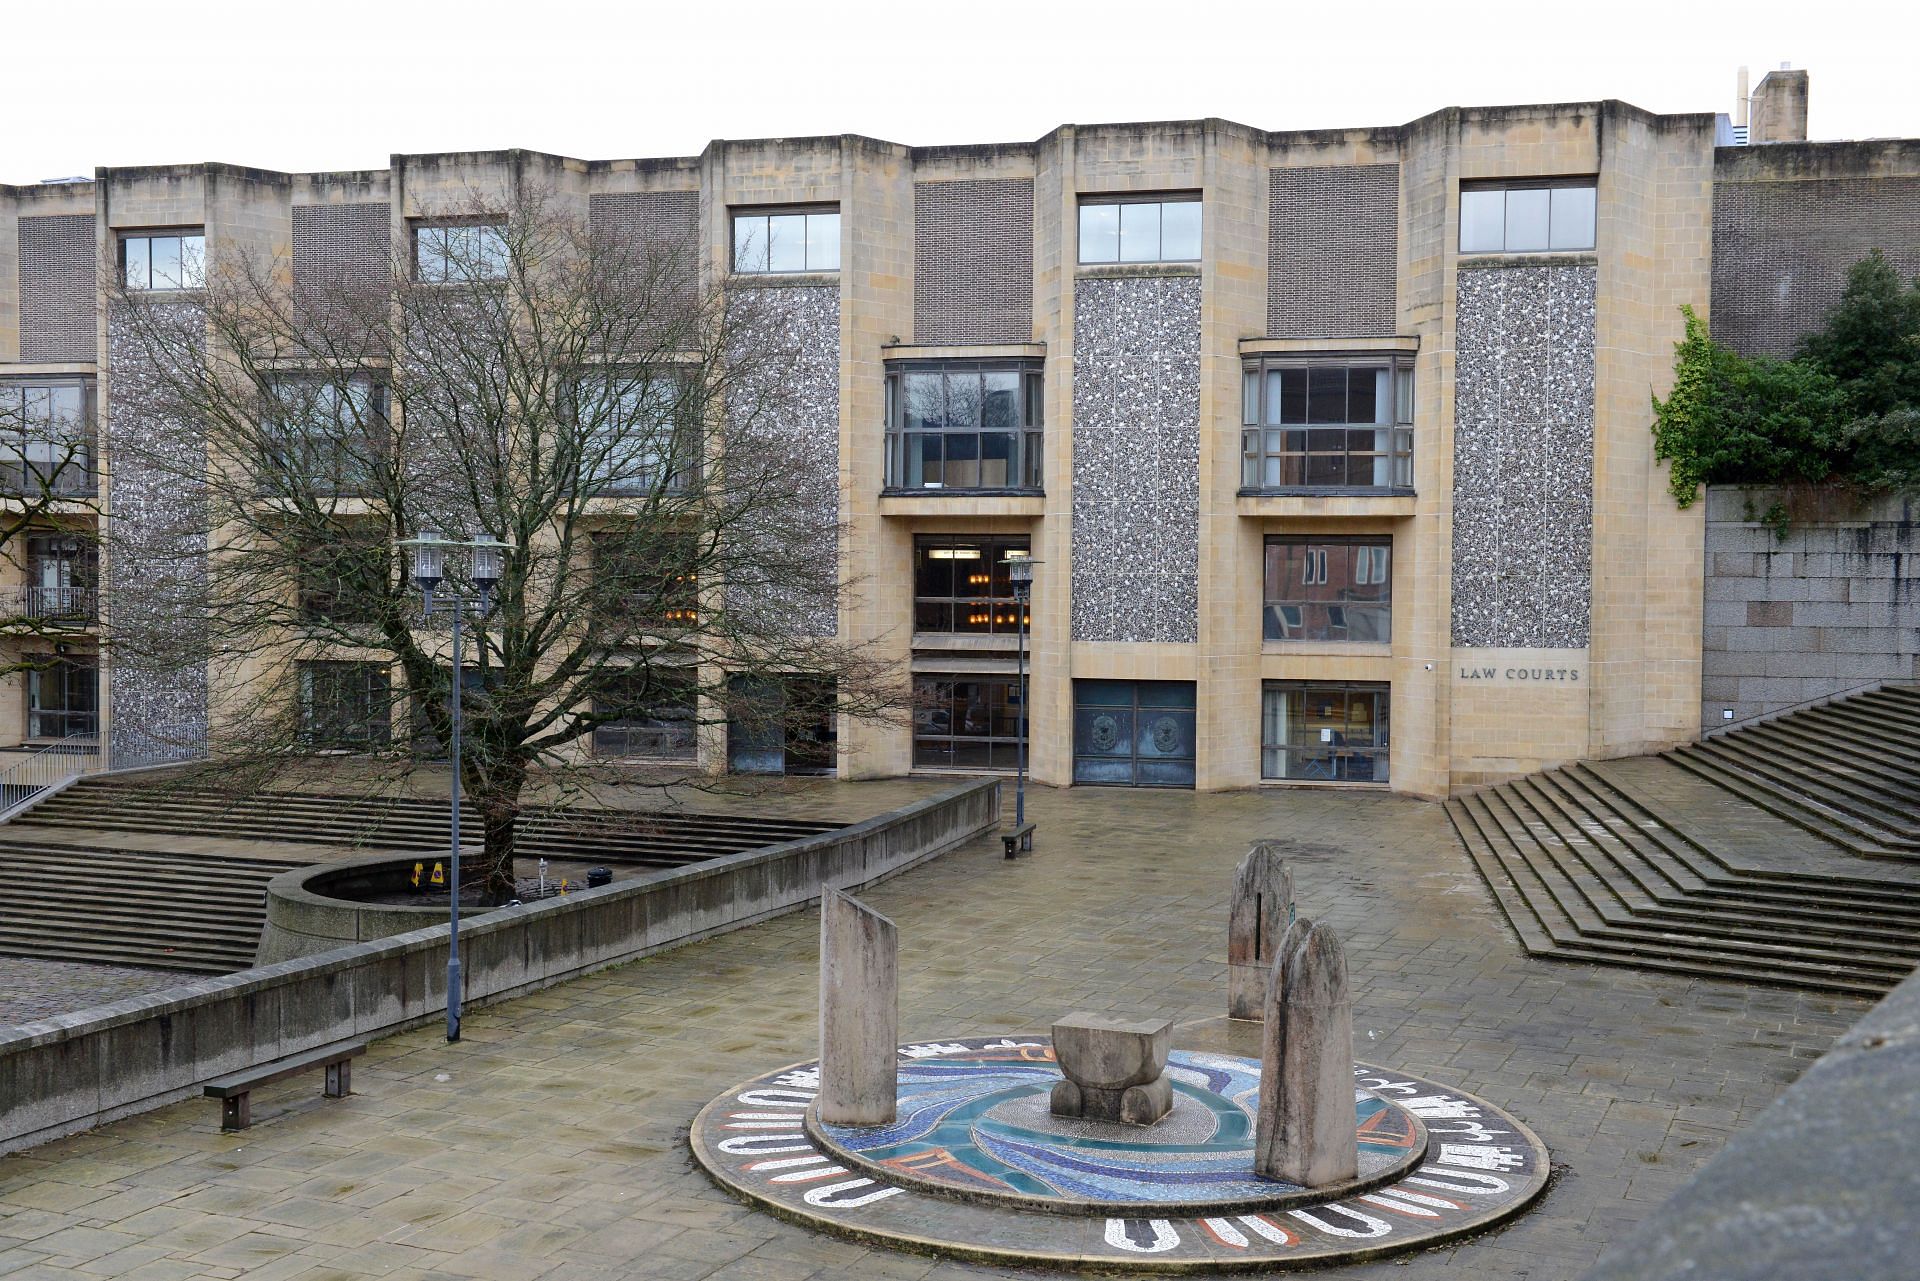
[1832, 607]
[313, 909]
[80, 1070]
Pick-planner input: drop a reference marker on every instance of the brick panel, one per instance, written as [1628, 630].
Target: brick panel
[1781, 251]
[973, 261]
[352, 242]
[1333, 240]
[659, 221]
[58, 267]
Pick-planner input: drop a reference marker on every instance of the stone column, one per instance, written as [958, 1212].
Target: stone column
[1261, 908]
[1306, 1132]
[859, 1012]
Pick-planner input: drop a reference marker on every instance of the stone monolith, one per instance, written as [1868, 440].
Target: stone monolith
[859, 1012]
[1306, 1132]
[1261, 907]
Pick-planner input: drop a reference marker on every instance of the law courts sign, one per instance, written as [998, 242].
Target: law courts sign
[1543, 668]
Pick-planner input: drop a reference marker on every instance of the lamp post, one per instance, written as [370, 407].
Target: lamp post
[429, 570]
[1020, 575]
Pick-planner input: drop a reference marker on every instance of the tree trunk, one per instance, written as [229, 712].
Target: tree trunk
[496, 794]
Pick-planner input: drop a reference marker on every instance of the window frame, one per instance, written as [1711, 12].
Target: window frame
[1001, 739]
[1273, 609]
[17, 447]
[67, 667]
[1264, 470]
[1118, 200]
[122, 237]
[1573, 182]
[682, 462]
[1341, 758]
[416, 226]
[373, 731]
[613, 740]
[1026, 441]
[295, 451]
[678, 601]
[764, 213]
[1003, 612]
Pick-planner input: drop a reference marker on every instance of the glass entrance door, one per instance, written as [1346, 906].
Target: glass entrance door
[1133, 733]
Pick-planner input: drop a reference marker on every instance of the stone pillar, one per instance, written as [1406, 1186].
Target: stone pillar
[1306, 1133]
[1261, 908]
[859, 1012]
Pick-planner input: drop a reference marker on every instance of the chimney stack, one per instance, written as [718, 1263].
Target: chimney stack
[1741, 98]
[1780, 107]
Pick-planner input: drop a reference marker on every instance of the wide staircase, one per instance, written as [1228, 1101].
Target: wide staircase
[1783, 852]
[156, 874]
[121, 907]
[404, 823]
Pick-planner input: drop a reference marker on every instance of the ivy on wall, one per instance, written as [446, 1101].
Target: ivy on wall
[1844, 412]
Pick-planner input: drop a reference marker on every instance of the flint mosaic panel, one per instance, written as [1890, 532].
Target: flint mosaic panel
[796, 399]
[156, 563]
[1136, 459]
[1523, 457]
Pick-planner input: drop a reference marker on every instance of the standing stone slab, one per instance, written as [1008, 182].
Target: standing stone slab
[1307, 1132]
[859, 1011]
[1261, 908]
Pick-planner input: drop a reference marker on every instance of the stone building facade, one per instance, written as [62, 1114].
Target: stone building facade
[1332, 446]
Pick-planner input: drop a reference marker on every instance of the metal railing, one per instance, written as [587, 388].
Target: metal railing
[52, 766]
[49, 604]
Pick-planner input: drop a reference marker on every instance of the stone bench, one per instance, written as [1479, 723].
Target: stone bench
[235, 1090]
[1115, 1070]
[1019, 840]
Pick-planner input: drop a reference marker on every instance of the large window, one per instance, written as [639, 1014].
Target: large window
[62, 571]
[960, 584]
[647, 577]
[635, 432]
[345, 706]
[1152, 229]
[1329, 589]
[1324, 732]
[323, 434]
[63, 697]
[966, 721]
[654, 713]
[779, 240]
[344, 580]
[1527, 217]
[163, 260]
[1327, 423]
[46, 436]
[964, 424]
[455, 252]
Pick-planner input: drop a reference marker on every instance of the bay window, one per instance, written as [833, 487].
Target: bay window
[1327, 423]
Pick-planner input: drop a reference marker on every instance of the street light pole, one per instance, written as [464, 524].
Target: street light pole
[429, 571]
[1020, 574]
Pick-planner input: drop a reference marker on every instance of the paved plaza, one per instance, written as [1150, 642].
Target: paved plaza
[550, 1143]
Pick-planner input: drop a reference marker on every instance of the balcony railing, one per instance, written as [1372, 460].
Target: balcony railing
[49, 604]
[31, 776]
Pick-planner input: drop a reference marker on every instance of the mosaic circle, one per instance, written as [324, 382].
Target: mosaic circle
[977, 1124]
[1479, 1166]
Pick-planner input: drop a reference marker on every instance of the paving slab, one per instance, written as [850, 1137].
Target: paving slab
[573, 1105]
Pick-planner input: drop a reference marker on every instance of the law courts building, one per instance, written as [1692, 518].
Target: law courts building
[1333, 446]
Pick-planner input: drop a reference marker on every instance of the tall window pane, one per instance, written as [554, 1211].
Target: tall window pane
[193, 262]
[1140, 233]
[1099, 233]
[823, 242]
[1572, 218]
[165, 251]
[139, 265]
[749, 244]
[1180, 231]
[1527, 220]
[1482, 222]
[787, 242]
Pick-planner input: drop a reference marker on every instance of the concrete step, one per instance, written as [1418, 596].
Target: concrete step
[1836, 826]
[1801, 776]
[1843, 722]
[1884, 774]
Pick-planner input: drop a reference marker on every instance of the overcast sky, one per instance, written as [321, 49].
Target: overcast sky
[342, 84]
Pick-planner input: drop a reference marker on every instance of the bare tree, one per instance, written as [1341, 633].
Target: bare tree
[626, 430]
